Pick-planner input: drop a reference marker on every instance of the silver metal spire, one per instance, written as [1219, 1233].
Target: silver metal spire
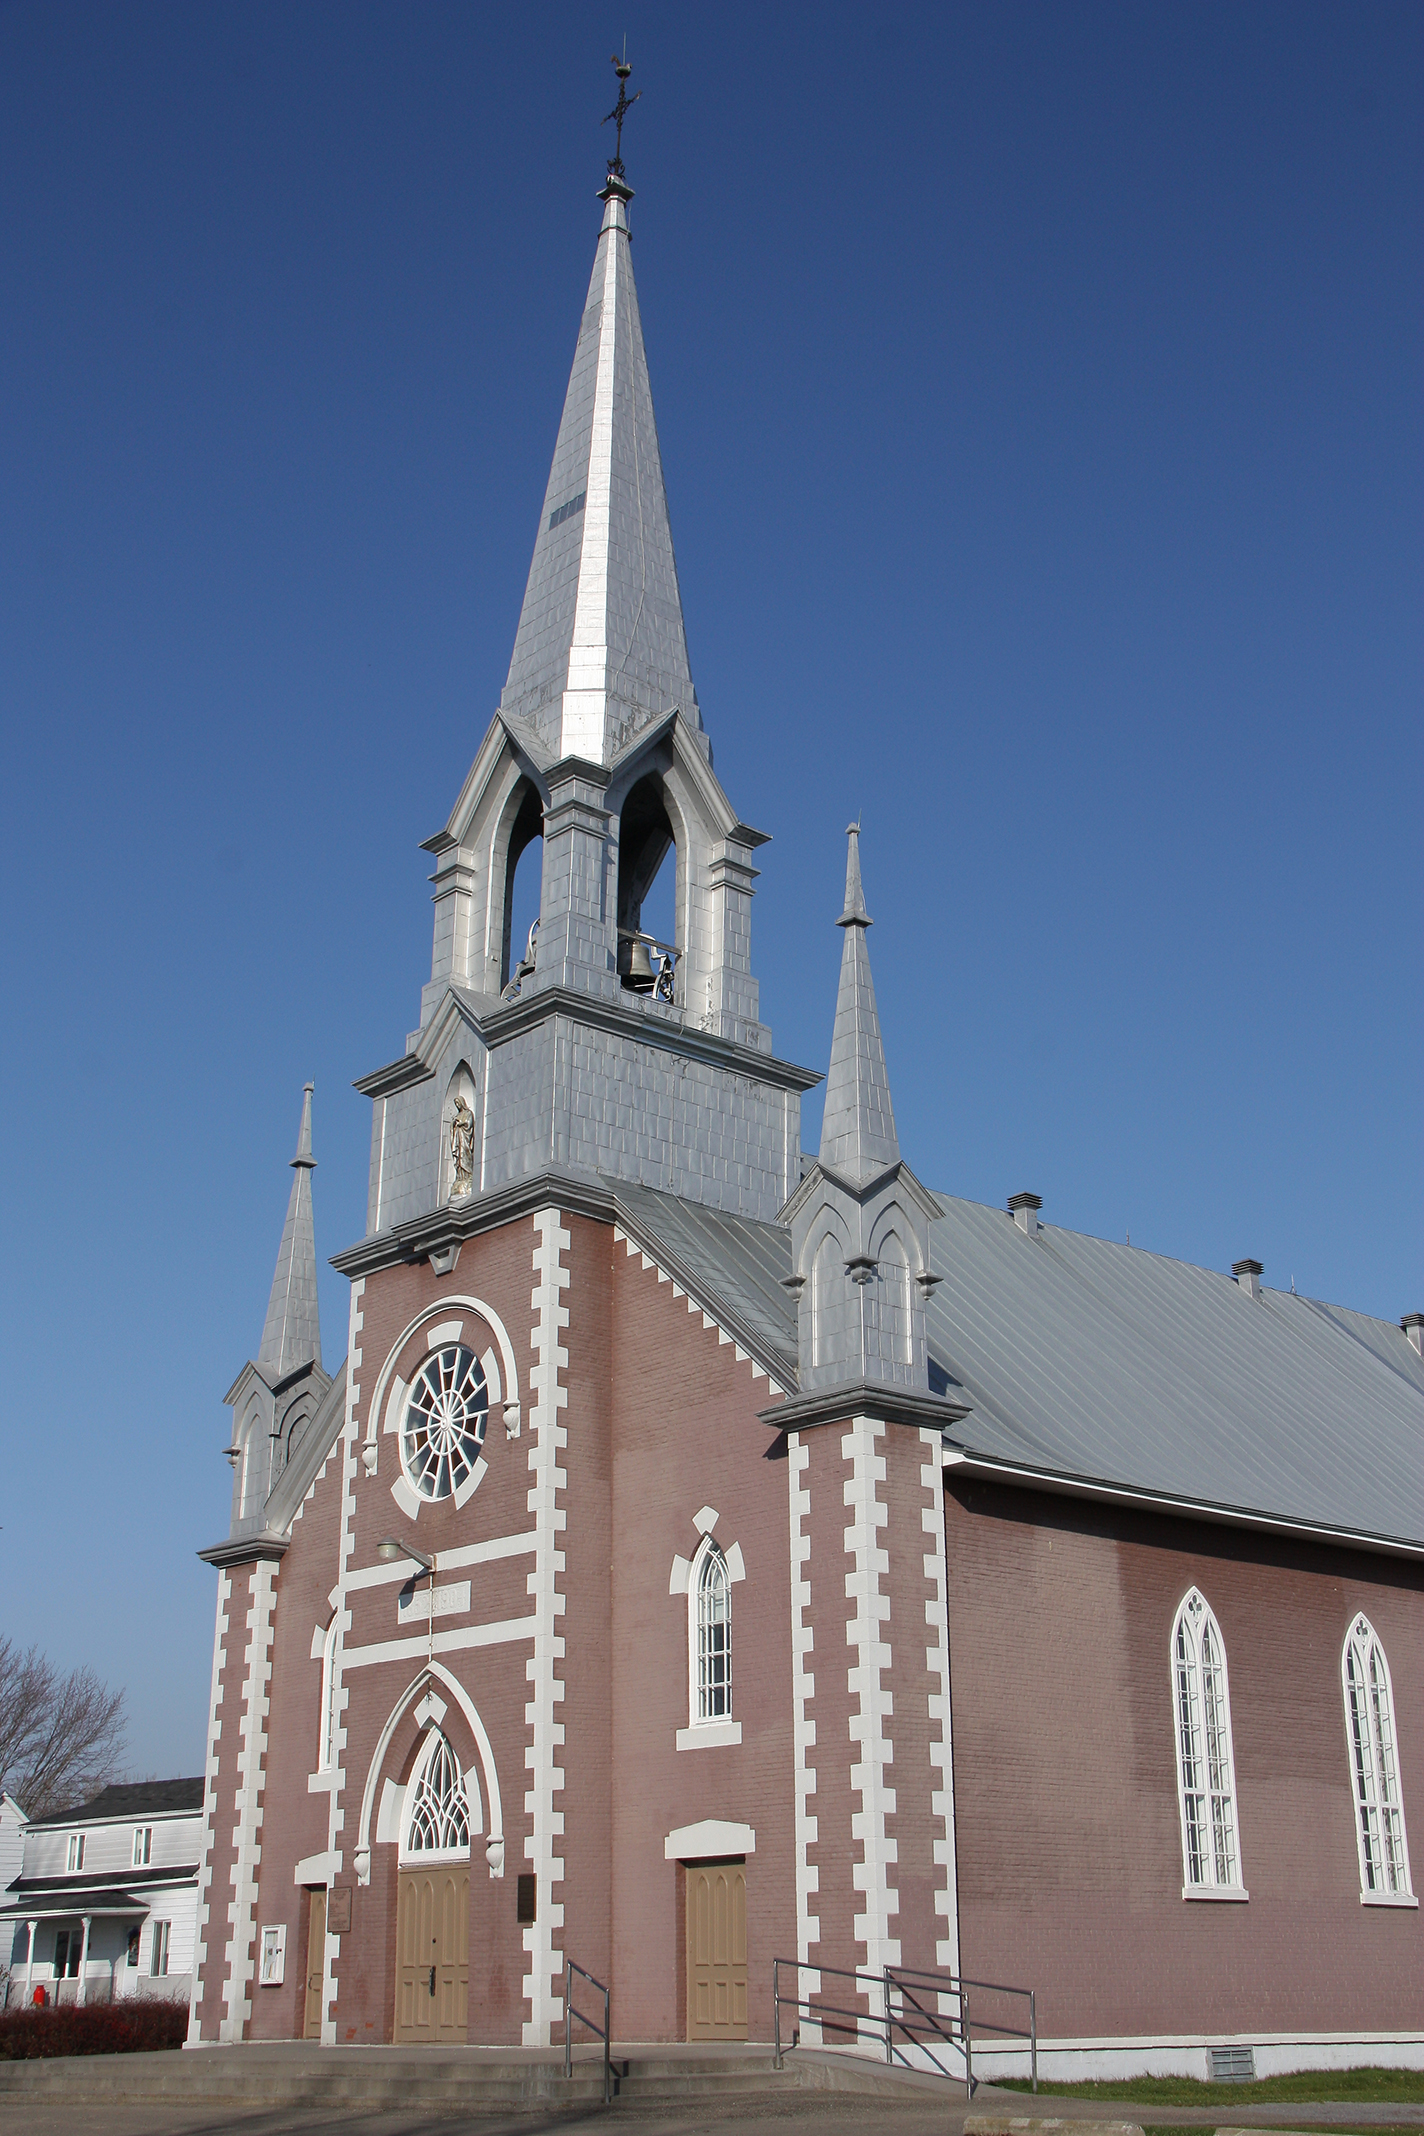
[601, 651]
[858, 1136]
[292, 1334]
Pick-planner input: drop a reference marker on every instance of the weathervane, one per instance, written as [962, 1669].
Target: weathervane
[622, 68]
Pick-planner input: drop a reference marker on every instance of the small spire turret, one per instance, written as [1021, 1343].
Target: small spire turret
[291, 1335]
[858, 1137]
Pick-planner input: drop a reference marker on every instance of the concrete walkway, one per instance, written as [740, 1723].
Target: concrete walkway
[715, 2088]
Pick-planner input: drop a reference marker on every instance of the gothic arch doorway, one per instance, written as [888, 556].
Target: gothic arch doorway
[433, 1906]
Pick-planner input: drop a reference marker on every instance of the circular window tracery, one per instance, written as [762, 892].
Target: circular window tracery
[445, 1419]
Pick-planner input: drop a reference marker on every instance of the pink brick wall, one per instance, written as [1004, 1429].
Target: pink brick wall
[1069, 1847]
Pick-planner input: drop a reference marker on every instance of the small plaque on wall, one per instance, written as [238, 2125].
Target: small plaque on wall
[338, 1910]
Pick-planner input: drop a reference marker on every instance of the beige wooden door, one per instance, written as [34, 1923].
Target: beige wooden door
[433, 1955]
[316, 1962]
[717, 1950]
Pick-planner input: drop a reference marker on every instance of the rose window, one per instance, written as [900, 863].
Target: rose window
[445, 1420]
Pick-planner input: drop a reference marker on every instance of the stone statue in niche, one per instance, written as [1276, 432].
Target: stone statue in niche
[462, 1148]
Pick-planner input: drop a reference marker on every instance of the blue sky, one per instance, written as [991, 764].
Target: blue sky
[1039, 395]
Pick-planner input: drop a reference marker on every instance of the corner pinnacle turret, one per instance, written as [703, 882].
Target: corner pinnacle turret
[292, 1333]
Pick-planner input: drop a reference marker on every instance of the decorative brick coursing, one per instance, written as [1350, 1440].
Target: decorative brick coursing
[350, 1438]
[871, 1701]
[542, 1756]
[695, 1305]
[210, 1808]
[941, 1753]
[252, 1731]
[803, 1690]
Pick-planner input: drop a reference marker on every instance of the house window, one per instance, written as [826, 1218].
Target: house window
[131, 1949]
[74, 1855]
[143, 1846]
[714, 1635]
[67, 1946]
[158, 1950]
[1374, 1761]
[326, 1748]
[438, 1824]
[274, 1956]
[1206, 1770]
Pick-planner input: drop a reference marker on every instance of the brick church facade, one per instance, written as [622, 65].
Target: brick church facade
[706, 1553]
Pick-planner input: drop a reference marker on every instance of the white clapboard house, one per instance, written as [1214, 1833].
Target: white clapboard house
[105, 1900]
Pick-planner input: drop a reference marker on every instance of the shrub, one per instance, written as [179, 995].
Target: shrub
[126, 2027]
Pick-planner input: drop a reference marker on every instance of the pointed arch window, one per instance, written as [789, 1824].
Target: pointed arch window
[712, 1603]
[326, 1748]
[437, 1825]
[1206, 1766]
[1374, 1763]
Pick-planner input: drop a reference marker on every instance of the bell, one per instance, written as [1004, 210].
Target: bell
[640, 969]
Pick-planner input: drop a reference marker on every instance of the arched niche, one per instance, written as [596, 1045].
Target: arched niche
[647, 829]
[889, 1320]
[459, 1155]
[290, 1426]
[828, 1284]
[255, 1463]
[521, 824]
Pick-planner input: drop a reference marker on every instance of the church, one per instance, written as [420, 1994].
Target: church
[709, 1552]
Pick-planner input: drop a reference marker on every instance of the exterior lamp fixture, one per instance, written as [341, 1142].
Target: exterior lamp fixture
[390, 1549]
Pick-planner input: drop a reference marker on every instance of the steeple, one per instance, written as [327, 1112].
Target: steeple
[292, 1334]
[858, 1127]
[601, 652]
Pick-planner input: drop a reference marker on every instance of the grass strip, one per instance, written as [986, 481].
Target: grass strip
[1324, 2086]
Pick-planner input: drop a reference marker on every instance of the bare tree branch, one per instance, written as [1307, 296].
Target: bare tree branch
[61, 1738]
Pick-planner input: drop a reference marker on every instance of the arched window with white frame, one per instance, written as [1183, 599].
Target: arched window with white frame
[712, 1634]
[1206, 1765]
[437, 1819]
[326, 1746]
[1374, 1763]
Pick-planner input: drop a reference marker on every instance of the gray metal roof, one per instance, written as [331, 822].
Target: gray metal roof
[1087, 1359]
[733, 1261]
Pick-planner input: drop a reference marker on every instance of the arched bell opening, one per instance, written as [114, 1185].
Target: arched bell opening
[647, 891]
[523, 885]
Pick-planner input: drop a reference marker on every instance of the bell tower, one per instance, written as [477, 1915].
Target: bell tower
[597, 1051]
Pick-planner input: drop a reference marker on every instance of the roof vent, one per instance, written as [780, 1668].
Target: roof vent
[1248, 1274]
[1413, 1326]
[1024, 1208]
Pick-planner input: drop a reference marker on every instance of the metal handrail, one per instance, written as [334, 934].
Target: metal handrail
[603, 2032]
[900, 1989]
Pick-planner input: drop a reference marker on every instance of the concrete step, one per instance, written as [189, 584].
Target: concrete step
[284, 2076]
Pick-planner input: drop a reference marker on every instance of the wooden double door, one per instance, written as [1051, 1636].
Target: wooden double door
[433, 1955]
[717, 1950]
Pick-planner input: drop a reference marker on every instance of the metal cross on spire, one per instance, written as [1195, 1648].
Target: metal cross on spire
[622, 68]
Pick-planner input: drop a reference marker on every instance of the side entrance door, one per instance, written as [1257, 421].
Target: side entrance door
[316, 1962]
[433, 1955]
[717, 1950]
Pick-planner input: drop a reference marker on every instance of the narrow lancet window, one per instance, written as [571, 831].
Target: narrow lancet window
[714, 1636]
[328, 1699]
[1374, 1762]
[1206, 1769]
